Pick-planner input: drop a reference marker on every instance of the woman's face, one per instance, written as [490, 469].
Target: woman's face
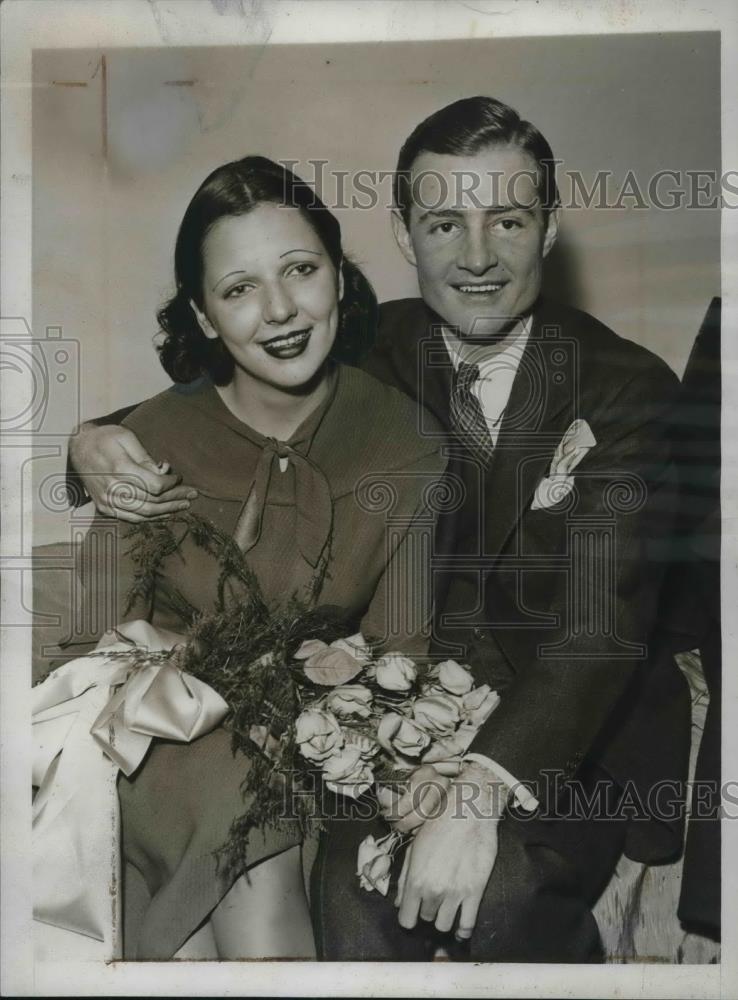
[271, 293]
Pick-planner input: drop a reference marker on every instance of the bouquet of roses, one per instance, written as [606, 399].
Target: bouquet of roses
[377, 719]
[305, 702]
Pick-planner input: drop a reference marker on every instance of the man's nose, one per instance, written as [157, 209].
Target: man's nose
[279, 306]
[478, 253]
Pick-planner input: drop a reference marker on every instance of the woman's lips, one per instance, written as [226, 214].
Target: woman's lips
[288, 345]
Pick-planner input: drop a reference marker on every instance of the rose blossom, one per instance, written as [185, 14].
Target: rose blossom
[356, 645]
[335, 664]
[377, 874]
[309, 648]
[318, 734]
[437, 714]
[451, 747]
[374, 862]
[369, 849]
[397, 734]
[453, 677]
[350, 699]
[366, 744]
[479, 704]
[395, 672]
[347, 773]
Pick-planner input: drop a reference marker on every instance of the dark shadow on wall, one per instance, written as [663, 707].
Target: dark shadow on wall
[562, 274]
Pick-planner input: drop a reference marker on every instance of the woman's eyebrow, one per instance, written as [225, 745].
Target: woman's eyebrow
[300, 250]
[296, 250]
[229, 275]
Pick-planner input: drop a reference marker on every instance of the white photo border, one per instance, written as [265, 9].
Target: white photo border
[33, 24]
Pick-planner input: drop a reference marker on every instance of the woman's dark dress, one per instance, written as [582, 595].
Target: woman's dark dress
[355, 489]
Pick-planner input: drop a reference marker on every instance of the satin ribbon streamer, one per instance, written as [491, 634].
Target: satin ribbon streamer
[93, 717]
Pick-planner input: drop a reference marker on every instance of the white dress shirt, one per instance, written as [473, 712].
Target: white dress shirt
[497, 369]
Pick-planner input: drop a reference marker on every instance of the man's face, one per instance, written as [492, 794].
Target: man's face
[477, 236]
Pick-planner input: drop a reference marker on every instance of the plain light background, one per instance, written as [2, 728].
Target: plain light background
[120, 144]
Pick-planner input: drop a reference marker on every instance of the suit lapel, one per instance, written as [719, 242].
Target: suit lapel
[543, 402]
[542, 405]
[411, 356]
[433, 369]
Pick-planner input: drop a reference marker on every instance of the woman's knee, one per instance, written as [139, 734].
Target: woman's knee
[265, 913]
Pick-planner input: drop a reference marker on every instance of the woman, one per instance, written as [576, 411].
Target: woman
[298, 458]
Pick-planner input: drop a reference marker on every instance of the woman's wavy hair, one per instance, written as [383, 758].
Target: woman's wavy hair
[235, 189]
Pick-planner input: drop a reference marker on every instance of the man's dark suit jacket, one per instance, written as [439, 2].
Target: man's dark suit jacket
[555, 606]
[508, 579]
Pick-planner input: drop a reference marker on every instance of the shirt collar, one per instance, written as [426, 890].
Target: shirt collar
[486, 356]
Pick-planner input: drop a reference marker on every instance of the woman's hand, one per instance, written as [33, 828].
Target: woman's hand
[424, 799]
[122, 479]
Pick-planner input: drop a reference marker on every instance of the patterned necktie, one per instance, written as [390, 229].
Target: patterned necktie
[467, 418]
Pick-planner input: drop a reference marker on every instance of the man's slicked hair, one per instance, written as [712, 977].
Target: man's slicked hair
[466, 127]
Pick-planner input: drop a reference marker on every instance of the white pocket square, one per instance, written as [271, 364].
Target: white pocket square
[559, 482]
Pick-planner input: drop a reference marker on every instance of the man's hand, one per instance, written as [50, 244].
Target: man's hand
[425, 798]
[449, 863]
[122, 479]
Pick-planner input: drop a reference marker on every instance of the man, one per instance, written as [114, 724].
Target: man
[546, 572]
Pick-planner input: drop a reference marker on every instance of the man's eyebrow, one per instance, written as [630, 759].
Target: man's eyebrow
[456, 213]
[441, 213]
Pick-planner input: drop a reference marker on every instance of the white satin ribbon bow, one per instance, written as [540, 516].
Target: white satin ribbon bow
[93, 717]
